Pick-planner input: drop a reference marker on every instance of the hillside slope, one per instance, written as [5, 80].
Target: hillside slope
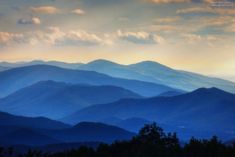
[56, 99]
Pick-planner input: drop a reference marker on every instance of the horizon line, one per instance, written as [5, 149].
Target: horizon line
[182, 70]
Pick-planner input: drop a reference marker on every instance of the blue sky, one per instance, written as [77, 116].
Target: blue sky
[185, 34]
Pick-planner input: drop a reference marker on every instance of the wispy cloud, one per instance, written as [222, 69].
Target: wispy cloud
[74, 38]
[140, 37]
[45, 9]
[207, 10]
[192, 38]
[53, 36]
[78, 11]
[166, 20]
[7, 38]
[209, 40]
[31, 21]
[169, 1]
[165, 28]
[230, 27]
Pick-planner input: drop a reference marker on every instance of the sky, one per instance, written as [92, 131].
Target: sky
[193, 35]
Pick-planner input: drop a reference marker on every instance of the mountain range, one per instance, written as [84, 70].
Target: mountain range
[90, 131]
[19, 130]
[25, 136]
[82, 132]
[57, 99]
[157, 73]
[3, 68]
[17, 78]
[37, 62]
[147, 71]
[204, 109]
[103, 101]
[10, 120]
[171, 93]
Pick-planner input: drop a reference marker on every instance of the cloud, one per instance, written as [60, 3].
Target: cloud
[230, 27]
[164, 28]
[215, 3]
[192, 38]
[32, 21]
[45, 9]
[7, 38]
[169, 1]
[206, 10]
[166, 20]
[78, 12]
[206, 25]
[140, 37]
[73, 37]
[209, 1]
[209, 40]
[53, 37]
[216, 21]
[76, 38]
[220, 3]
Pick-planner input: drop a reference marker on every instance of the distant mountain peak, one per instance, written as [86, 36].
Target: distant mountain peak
[148, 62]
[85, 124]
[50, 83]
[7, 119]
[35, 61]
[36, 65]
[96, 125]
[213, 91]
[102, 61]
[151, 64]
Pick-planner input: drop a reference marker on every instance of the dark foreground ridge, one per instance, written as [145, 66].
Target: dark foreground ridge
[150, 142]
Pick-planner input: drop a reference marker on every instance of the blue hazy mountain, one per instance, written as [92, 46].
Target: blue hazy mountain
[90, 131]
[17, 78]
[16, 130]
[36, 62]
[148, 71]
[157, 73]
[56, 99]
[7, 119]
[26, 137]
[112, 69]
[55, 63]
[171, 93]
[2, 68]
[204, 109]
[82, 132]
[133, 124]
